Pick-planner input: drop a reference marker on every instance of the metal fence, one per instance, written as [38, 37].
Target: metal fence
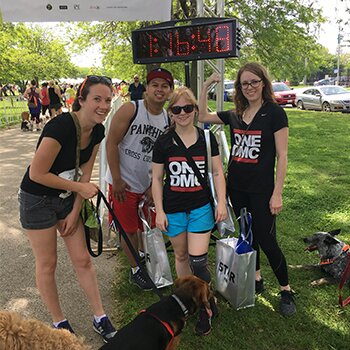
[11, 108]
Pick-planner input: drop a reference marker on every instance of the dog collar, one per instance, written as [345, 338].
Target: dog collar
[331, 261]
[183, 307]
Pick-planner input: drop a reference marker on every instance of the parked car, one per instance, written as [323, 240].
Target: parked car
[325, 98]
[284, 94]
[327, 81]
[228, 91]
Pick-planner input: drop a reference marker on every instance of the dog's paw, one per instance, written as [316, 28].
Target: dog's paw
[321, 282]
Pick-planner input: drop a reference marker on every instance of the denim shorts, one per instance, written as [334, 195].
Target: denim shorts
[41, 212]
[197, 220]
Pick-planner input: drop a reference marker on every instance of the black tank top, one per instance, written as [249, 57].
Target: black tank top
[54, 99]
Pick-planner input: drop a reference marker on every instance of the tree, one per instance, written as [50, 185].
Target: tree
[29, 52]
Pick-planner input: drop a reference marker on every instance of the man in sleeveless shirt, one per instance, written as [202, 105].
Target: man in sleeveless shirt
[132, 134]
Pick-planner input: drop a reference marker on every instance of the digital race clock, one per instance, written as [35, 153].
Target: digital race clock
[186, 40]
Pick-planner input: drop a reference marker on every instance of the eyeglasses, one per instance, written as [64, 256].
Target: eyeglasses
[186, 109]
[253, 84]
[95, 79]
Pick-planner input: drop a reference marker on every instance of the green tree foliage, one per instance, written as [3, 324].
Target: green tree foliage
[279, 33]
[30, 52]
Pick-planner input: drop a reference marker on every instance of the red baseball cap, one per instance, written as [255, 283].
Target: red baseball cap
[161, 73]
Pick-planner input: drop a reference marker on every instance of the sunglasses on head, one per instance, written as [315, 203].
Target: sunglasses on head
[95, 79]
[186, 109]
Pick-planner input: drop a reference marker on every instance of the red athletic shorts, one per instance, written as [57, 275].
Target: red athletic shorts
[127, 211]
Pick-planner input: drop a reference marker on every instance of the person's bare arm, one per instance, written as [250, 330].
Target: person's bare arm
[58, 91]
[220, 188]
[281, 142]
[118, 128]
[42, 162]
[70, 223]
[204, 116]
[157, 192]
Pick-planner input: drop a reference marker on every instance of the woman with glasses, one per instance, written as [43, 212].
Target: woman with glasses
[259, 139]
[183, 208]
[50, 198]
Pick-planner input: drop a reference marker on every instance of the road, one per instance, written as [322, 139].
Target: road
[18, 291]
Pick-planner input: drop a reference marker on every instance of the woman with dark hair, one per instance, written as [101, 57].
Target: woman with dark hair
[55, 99]
[32, 94]
[50, 198]
[259, 137]
[183, 208]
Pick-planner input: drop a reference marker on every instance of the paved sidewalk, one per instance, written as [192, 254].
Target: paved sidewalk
[18, 291]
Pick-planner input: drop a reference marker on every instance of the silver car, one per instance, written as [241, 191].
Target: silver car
[325, 98]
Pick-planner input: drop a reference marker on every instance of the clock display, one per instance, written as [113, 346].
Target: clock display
[202, 39]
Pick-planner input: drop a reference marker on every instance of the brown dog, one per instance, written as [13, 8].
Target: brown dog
[25, 125]
[158, 327]
[17, 333]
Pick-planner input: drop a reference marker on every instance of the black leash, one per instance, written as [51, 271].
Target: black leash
[130, 246]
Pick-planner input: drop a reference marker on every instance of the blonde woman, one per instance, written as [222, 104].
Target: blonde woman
[183, 208]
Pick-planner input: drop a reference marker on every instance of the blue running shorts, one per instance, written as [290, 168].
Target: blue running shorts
[197, 220]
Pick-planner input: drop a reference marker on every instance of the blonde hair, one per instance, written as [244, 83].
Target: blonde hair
[185, 92]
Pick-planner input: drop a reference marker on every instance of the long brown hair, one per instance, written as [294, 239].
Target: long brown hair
[267, 93]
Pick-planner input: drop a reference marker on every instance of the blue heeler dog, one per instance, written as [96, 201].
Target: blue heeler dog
[334, 255]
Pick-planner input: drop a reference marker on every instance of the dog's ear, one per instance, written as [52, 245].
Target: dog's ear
[330, 240]
[202, 293]
[335, 232]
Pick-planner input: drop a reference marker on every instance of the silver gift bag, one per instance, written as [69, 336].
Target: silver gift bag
[235, 274]
[156, 256]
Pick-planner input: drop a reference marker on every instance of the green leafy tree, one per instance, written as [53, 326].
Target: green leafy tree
[30, 52]
[279, 33]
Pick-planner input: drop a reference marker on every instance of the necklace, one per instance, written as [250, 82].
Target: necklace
[249, 117]
[166, 120]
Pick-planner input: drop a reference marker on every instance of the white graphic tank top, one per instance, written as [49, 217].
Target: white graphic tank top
[135, 150]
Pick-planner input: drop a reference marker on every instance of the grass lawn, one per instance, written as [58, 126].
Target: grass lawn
[10, 111]
[316, 197]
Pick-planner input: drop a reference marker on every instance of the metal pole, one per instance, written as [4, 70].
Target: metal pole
[338, 57]
[187, 74]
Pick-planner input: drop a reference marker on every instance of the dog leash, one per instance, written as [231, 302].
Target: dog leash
[130, 246]
[346, 273]
[166, 325]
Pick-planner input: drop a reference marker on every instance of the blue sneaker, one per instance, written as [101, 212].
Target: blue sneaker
[64, 325]
[105, 329]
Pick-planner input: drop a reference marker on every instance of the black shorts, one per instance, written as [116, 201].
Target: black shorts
[56, 106]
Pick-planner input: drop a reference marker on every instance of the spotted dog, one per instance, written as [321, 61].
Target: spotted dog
[333, 255]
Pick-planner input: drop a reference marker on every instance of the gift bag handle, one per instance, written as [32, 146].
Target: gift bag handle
[245, 220]
[129, 244]
[145, 222]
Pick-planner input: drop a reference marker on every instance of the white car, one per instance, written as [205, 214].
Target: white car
[327, 98]
[228, 91]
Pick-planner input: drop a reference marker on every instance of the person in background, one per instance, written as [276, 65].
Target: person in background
[183, 207]
[45, 100]
[50, 199]
[124, 91]
[55, 99]
[259, 139]
[134, 129]
[136, 89]
[32, 93]
[70, 97]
